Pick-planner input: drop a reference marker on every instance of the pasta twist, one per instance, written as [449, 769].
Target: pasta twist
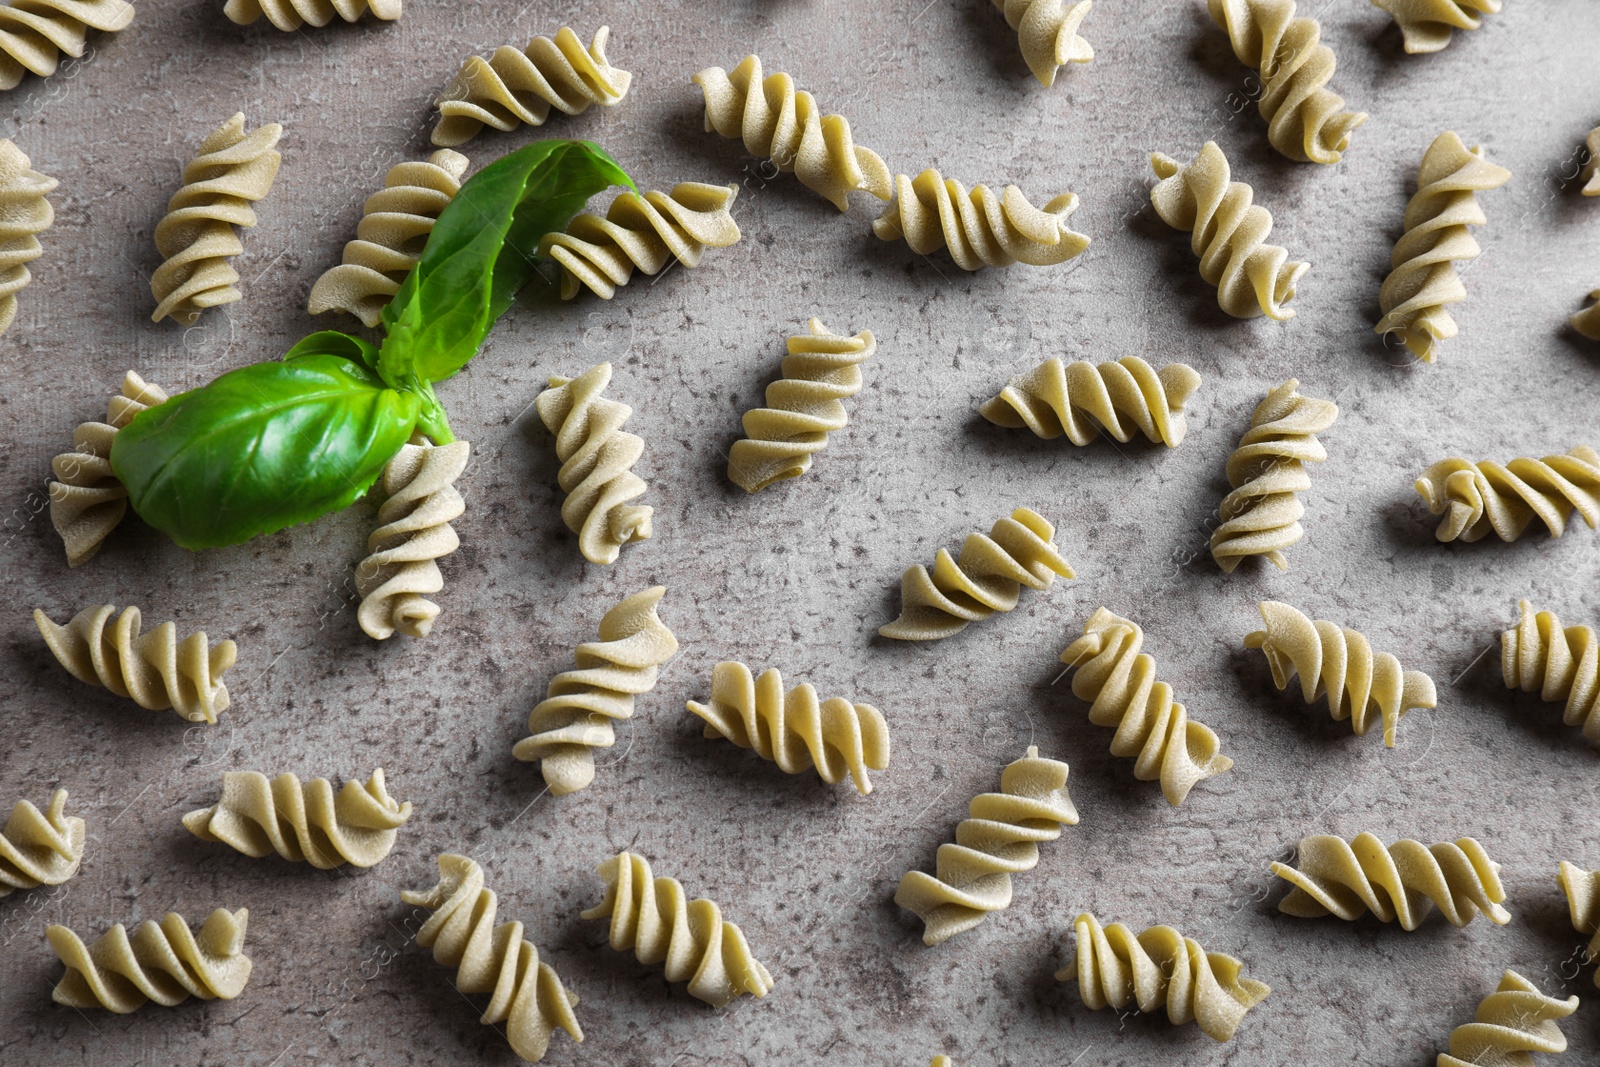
[1000, 838]
[1158, 967]
[289, 15]
[1400, 881]
[24, 214]
[1339, 664]
[1511, 1022]
[303, 822]
[197, 236]
[795, 730]
[87, 500]
[655, 918]
[1538, 655]
[978, 228]
[575, 716]
[986, 578]
[1228, 233]
[780, 123]
[1154, 729]
[413, 534]
[34, 33]
[39, 847]
[1427, 25]
[1423, 278]
[164, 962]
[1261, 516]
[394, 227]
[1305, 120]
[802, 408]
[1048, 33]
[1591, 167]
[1477, 499]
[644, 232]
[515, 87]
[155, 670]
[1080, 399]
[1587, 321]
[526, 994]
[1582, 890]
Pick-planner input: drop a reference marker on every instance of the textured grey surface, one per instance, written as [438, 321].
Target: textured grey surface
[801, 576]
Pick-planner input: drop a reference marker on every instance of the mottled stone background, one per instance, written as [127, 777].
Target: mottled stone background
[801, 576]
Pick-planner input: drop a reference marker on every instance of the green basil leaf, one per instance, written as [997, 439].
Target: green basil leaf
[334, 343]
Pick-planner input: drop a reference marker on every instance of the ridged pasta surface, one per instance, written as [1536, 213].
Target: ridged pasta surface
[24, 215]
[303, 822]
[1121, 398]
[1582, 890]
[978, 228]
[413, 534]
[1427, 25]
[163, 962]
[1047, 30]
[1477, 499]
[1513, 1021]
[35, 33]
[40, 847]
[1404, 881]
[291, 15]
[1561, 664]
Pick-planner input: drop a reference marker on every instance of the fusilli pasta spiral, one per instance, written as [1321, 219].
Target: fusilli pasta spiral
[303, 822]
[24, 214]
[1151, 727]
[978, 228]
[575, 716]
[515, 87]
[1591, 167]
[1587, 321]
[1305, 120]
[1582, 890]
[526, 994]
[197, 236]
[1261, 517]
[1401, 881]
[1339, 664]
[780, 123]
[1477, 499]
[156, 670]
[1228, 233]
[290, 15]
[1511, 1022]
[1048, 33]
[1080, 399]
[39, 847]
[1427, 25]
[164, 962]
[802, 409]
[655, 918]
[1539, 656]
[34, 33]
[87, 500]
[1158, 967]
[999, 838]
[413, 534]
[1423, 277]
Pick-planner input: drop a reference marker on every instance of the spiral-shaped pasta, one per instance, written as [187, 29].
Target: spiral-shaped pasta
[1154, 729]
[24, 214]
[1339, 664]
[1423, 278]
[575, 716]
[999, 838]
[1080, 399]
[303, 822]
[987, 577]
[394, 227]
[1401, 881]
[780, 123]
[1048, 33]
[413, 534]
[87, 500]
[196, 237]
[1591, 167]
[526, 994]
[1157, 967]
[1539, 656]
[1587, 321]
[1228, 233]
[165, 962]
[1305, 120]
[1582, 890]
[34, 33]
[1511, 1022]
[1427, 25]
[978, 228]
[155, 670]
[288, 15]
[644, 232]
[795, 730]
[655, 918]
[803, 407]
[39, 847]
[1477, 499]
[515, 87]
[1261, 516]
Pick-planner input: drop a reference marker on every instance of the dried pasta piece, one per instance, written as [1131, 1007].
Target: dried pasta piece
[978, 228]
[575, 716]
[1591, 167]
[1427, 25]
[1339, 664]
[1477, 499]
[87, 499]
[1582, 890]
[1401, 881]
[35, 33]
[413, 534]
[1048, 33]
[156, 670]
[1154, 729]
[515, 87]
[164, 962]
[24, 214]
[197, 236]
[1228, 233]
[803, 407]
[987, 577]
[655, 919]
[39, 847]
[289, 15]
[526, 994]
[999, 838]
[303, 822]
[1080, 399]
[1587, 321]
[1539, 656]
[1512, 1022]
[1159, 966]
[783, 124]
[394, 227]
